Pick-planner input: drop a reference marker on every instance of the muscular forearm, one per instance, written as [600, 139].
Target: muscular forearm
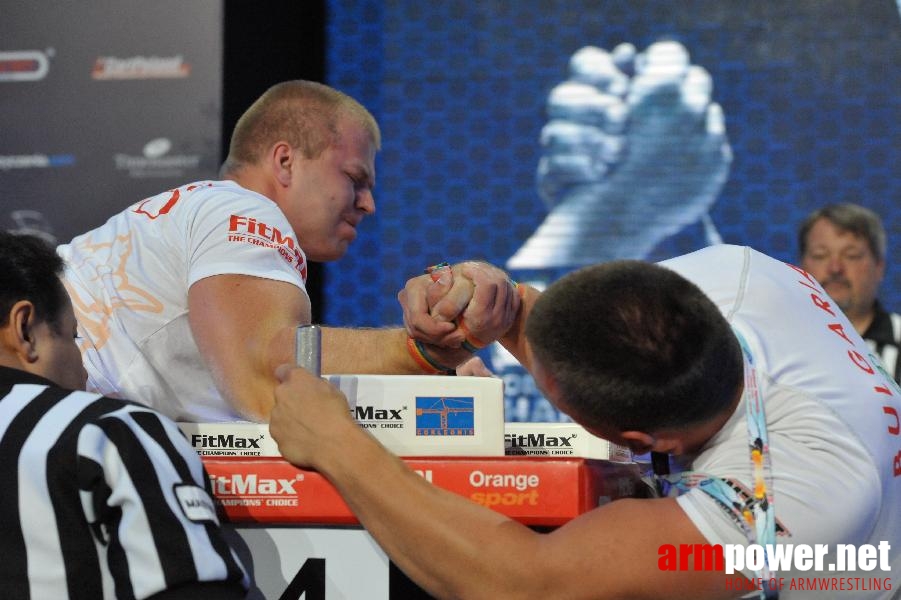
[249, 384]
[515, 338]
[455, 548]
[449, 545]
[365, 351]
[382, 351]
[446, 543]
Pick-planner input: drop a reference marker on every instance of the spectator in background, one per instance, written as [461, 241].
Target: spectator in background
[101, 498]
[843, 247]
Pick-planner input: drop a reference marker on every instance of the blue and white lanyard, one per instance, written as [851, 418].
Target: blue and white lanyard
[756, 516]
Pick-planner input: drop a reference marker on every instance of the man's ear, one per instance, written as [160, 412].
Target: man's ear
[282, 157]
[18, 334]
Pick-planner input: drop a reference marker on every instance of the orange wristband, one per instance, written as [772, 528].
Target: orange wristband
[429, 365]
[471, 343]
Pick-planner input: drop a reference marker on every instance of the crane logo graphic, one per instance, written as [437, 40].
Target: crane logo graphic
[443, 415]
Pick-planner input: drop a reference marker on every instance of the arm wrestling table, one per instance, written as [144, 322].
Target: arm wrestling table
[301, 540]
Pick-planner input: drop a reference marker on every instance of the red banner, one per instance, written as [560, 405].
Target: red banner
[534, 491]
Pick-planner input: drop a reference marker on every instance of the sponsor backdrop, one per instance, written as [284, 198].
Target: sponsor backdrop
[103, 103]
[801, 108]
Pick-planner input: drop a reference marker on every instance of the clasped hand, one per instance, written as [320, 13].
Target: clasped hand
[473, 302]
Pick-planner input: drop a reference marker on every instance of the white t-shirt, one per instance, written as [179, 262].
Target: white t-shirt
[129, 282]
[832, 419]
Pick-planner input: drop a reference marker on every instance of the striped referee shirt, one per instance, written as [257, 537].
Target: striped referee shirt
[101, 498]
[884, 337]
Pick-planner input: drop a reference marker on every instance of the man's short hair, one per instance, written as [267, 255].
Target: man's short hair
[635, 346]
[305, 114]
[851, 218]
[30, 270]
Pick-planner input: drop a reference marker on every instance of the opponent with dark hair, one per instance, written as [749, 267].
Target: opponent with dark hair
[102, 498]
[651, 311]
[784, 431]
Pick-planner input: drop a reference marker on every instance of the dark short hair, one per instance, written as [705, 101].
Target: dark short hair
[849, 217]
[635, 346]
[30, 269]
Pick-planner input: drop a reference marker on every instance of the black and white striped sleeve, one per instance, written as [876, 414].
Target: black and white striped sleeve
[146, 497]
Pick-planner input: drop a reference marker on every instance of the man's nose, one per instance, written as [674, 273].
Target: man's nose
[366, 201]
[836, 264]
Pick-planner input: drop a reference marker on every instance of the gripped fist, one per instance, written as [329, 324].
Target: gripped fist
[309, 414]
[418, 297]
[470, 304]
[494, 305]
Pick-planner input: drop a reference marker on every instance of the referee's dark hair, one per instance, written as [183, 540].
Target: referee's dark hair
[635, 346]
[30, 270]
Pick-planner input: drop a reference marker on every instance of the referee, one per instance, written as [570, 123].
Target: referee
[101, 498]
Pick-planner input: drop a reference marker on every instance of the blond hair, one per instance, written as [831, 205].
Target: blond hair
[305, 114]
